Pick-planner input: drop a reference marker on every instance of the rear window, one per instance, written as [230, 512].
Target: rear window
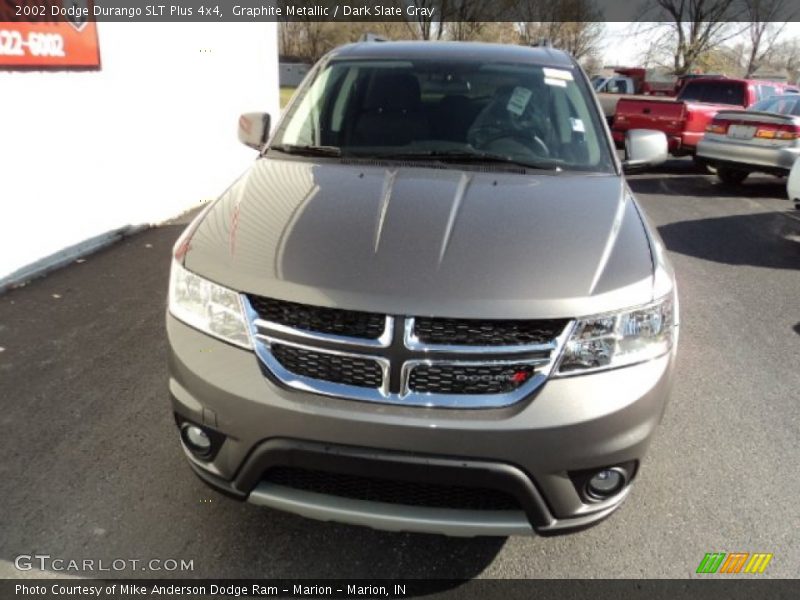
[788, 104]
[714, 92]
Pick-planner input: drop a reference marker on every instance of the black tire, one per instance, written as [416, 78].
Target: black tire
[702, 166]
[730, 176]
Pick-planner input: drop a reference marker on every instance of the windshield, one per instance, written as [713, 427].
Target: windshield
[788, 104]
[526, 114]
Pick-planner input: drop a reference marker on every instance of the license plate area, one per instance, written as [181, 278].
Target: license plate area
[741, 132]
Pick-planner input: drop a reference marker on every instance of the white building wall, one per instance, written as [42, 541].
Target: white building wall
[149, 136]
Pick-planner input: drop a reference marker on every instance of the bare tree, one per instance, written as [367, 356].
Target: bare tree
[572, 25]
[430, 25]
[786, 56]
[308, 39]
[471, 20]
[763, 31]
[691, 28]
[467, 20]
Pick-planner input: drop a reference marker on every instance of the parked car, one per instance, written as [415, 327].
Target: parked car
[765, 138]
[684, 120]
[427, 311]
[793, 185]
[629, 82]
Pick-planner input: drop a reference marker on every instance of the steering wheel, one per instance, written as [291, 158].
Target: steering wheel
[523, 137]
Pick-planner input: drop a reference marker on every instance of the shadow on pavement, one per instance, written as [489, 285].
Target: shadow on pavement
[92, 467]
[707, 186]
[762, 240]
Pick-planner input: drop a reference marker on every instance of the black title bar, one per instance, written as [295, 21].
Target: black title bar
[729, 588]
[387, 10]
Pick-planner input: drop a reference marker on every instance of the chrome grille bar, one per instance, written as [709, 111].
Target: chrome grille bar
[408, 353]
[383, 341]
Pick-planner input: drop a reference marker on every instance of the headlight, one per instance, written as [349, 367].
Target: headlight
[206, 306]
[620, 339]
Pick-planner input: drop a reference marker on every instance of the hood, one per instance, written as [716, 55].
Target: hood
[427, 241]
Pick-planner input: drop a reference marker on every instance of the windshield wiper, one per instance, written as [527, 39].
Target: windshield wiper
[307, 150]
[465, 157]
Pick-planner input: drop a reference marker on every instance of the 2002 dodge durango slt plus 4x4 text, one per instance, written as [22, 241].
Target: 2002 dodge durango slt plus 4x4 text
[431, 304]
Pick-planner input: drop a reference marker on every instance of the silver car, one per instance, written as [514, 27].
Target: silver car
[432, 303]
[764, 138]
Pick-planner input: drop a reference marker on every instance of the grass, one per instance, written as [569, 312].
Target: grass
[286, 95]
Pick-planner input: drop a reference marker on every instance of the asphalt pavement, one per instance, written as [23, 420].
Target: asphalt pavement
[90, 465]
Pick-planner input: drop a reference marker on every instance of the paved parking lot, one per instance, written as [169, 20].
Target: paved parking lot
[91, 466]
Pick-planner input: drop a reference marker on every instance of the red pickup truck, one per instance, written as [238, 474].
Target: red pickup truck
[685, 118]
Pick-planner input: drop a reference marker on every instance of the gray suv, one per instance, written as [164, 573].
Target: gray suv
[431, 304]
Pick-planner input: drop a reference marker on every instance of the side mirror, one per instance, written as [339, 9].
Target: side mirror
[793, 184]
[644, 148]
[254, 129]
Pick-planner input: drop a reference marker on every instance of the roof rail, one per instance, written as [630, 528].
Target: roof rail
[372, 37]
[542, 43]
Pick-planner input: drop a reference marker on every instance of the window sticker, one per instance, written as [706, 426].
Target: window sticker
[555, 82]
[577, 125]
[557, 74]
[519, 100]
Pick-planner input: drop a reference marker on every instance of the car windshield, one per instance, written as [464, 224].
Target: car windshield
[788, 104]
[524, 114]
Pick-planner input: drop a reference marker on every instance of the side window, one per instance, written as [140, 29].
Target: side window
[765, 91]
[302, 128]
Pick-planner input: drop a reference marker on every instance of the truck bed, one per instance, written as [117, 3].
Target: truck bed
[665, 115]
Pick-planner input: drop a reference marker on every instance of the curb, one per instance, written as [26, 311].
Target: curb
[43, 266]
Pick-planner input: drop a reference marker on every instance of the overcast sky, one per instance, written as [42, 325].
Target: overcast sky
[624, 48]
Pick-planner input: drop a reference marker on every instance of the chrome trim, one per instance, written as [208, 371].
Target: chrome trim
[320, 386]
[412, 342]
[384, 341]
[265, 334]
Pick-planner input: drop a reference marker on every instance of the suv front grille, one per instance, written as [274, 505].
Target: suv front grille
[473, 332]
[349, 370]
[334, 321]
[375, 489]
[469, 379]
[415, 361]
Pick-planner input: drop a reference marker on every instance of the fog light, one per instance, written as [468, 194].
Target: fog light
[197, 439]
[606, 483]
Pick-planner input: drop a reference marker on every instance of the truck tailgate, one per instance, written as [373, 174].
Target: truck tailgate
[662, 115]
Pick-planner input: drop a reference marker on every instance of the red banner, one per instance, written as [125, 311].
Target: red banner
[42, 39]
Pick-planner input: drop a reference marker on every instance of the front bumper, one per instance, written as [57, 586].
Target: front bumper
[778, 159]
[569, 425]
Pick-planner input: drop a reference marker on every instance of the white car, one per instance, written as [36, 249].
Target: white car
[793, 185]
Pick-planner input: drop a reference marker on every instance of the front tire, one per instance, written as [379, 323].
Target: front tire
[730, 176]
